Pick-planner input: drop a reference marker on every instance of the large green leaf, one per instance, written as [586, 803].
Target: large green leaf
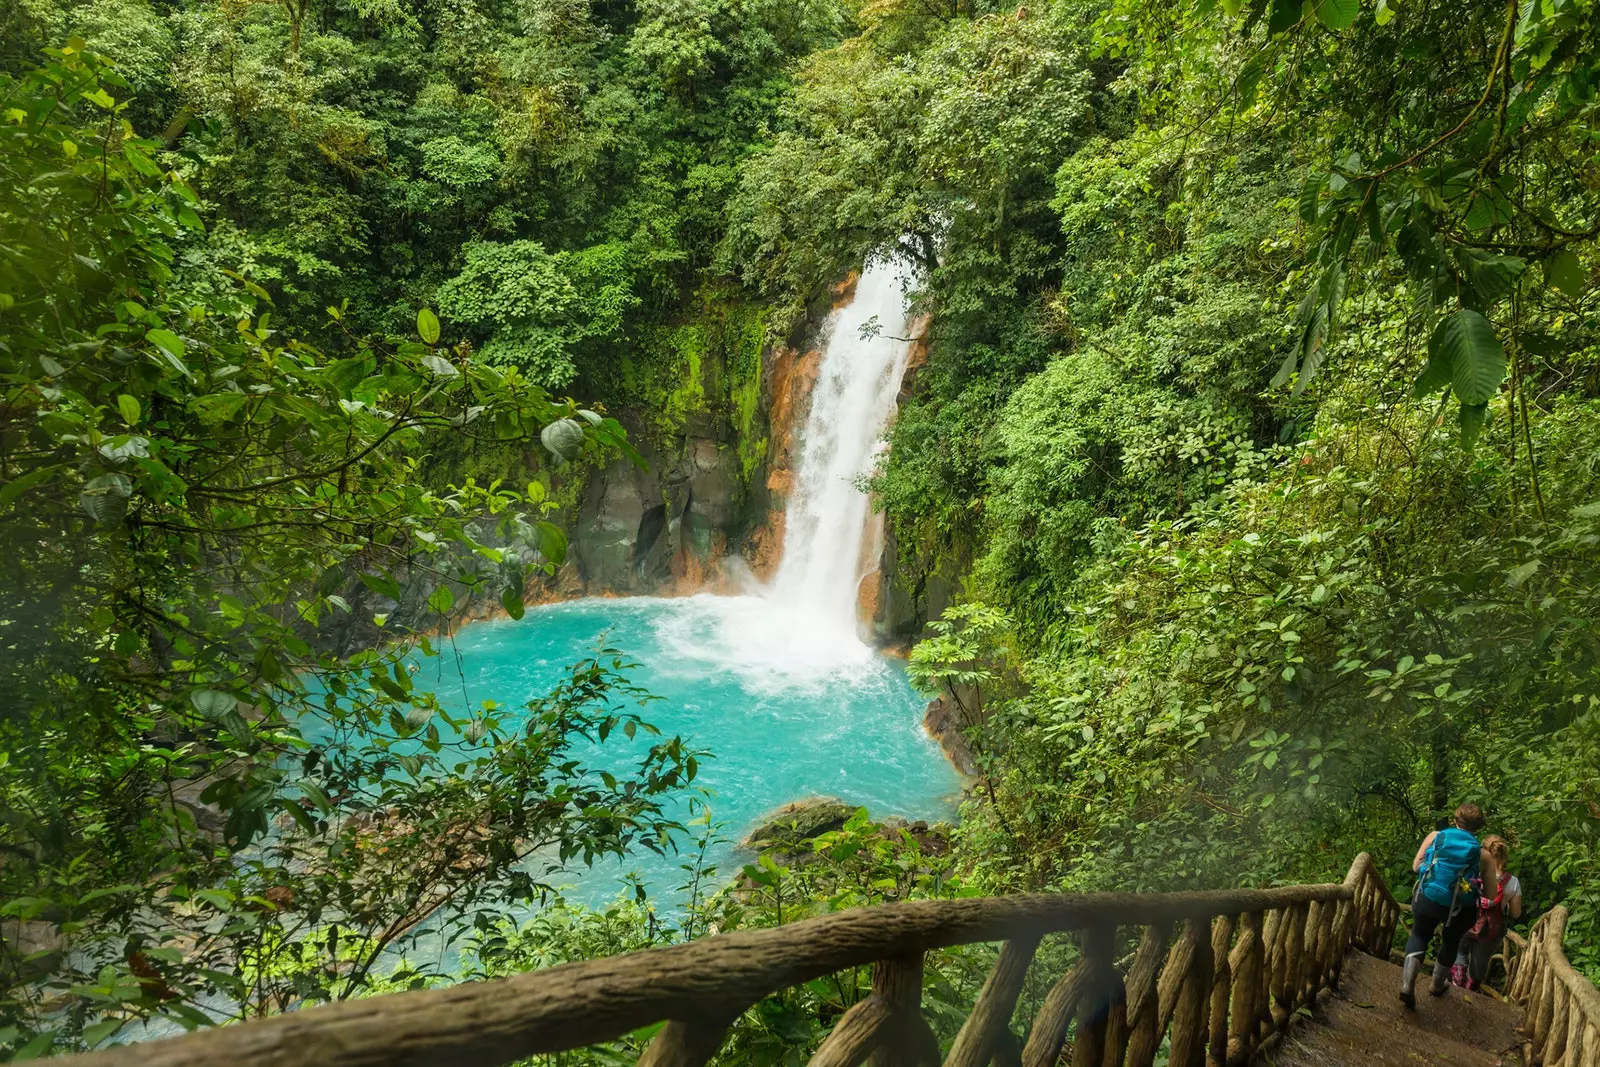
[1418, 250]
[1490, 276]
[105, 498]
[212, 703]
[1473, 417]
[1564, 271]
[13, 489]
[428, 326]
[1310, 192]
[1285, 15]
[1313, 348]
[564, 438]
[1319, 330]
[552, 542]
[172, 350]
[1336, 14]
[1437, 374]
[1467, 342]
[511, 600]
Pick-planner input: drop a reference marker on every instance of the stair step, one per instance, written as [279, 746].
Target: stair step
[1365, 1023]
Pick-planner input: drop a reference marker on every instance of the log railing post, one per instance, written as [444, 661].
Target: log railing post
[1215, 999]
[1048, 1035]
[980, 1037]
[686, 1043]
[1191, 1015]
[1144, 1022]
[1244, 1026]
[1344, 920]
[1286, 985]
[1561, 1008]
[855, 1035]
[1103, 994]
[1310, 981]
[1221, 990]
[908, 1039]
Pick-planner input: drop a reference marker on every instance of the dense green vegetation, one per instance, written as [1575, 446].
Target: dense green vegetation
[1257, 440]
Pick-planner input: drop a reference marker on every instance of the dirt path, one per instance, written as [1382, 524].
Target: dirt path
[1365, 1023]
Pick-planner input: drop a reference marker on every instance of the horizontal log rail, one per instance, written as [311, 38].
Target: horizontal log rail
[1561, 1008]
[1218, 972]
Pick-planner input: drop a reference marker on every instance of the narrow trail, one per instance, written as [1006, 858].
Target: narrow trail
[1363, 1022]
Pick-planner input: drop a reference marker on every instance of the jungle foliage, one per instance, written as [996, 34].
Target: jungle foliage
[1255, 437]
[1255, 445]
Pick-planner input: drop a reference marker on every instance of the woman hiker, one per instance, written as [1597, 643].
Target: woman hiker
[1443, 900]
[1499, 903]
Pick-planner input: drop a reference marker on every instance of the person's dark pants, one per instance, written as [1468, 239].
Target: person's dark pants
[1427, 916]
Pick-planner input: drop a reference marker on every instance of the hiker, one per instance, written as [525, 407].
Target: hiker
[1495, 909]
[1443, 898]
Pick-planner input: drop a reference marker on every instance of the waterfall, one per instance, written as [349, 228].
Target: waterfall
[800, 630]
[829, 545]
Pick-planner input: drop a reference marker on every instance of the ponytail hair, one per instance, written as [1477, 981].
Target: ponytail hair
[1498, 847]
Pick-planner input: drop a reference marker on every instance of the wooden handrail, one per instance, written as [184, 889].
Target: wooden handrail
[1243, 962]
[1561, 1008]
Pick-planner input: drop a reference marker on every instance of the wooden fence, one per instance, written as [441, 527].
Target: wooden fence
[1561, 1008]
[1216, 973]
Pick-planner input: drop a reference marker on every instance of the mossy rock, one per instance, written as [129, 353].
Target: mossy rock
[786, 829]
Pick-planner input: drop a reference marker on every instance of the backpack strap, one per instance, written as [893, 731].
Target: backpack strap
[1500, 890]
[1425, 872]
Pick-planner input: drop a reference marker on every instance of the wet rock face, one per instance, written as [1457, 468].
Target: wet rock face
[673, 527]
[947, 725]
[662, 529]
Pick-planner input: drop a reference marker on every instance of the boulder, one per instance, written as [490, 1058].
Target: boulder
[792, 825]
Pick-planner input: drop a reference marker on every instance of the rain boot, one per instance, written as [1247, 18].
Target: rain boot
[1458, 976]
[1408, 979]
[1441, 978]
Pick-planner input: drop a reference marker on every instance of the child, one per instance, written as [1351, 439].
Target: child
[1445, 861]
[1495, 909]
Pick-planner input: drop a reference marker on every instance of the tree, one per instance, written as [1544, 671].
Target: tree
[217, 555]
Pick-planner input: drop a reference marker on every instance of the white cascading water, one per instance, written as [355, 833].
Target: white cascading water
[802, 628]
[851, 405]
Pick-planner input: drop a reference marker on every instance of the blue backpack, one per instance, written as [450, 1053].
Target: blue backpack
[1449, 860]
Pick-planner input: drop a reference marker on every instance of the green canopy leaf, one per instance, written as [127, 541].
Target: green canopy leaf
[1466, 341]
[1489, 276]
[1473, 417]
[552, 542]
[564, 438]
[428, 326]
[1285, 16]
[1564, 271]
[1335, 14]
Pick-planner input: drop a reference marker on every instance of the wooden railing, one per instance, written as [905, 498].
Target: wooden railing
[1561, 1008]
[1218, 973]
